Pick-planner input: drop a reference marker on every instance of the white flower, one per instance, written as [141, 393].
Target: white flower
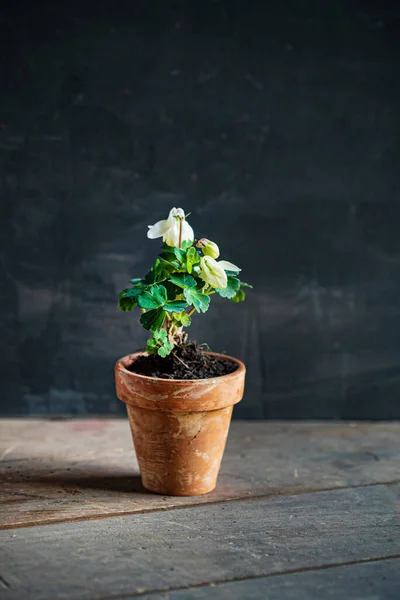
[169, 228]
[228, 266]
[213, 272]
[208, 247]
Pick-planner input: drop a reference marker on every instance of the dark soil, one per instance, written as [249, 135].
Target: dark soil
[188, 361]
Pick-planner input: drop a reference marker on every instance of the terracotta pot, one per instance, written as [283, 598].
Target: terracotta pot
[179, 427]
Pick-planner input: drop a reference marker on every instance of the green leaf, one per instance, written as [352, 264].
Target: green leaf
[232, 272]
[231, 289]
[180, 255]
[151, 346]
[170, 265]
[192, 258]
[165, 349]
[185, 319]
[172, 290]
[199, 284]
[183, 281]
[245, 285]
[133, 292]
[127, 299]
[154, 298]
[239, 296]
[157, 273]
[166, 248]
[168, 253]
[200, 301]
[135, 280]
[167, 256]
[181, 319]
[159, 343]
[126, 303]
[153, 319]
[150, 277]
[186, 244]
[176, 306]
[160, 335]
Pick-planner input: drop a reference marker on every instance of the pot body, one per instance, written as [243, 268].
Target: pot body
[179, 427]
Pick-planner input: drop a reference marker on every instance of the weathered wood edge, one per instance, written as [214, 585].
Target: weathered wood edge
[93, 473]
[190, 504]
[236, 588]
[32, 433]
[262, 541]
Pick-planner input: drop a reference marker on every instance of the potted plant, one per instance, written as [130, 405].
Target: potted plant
[179, 397]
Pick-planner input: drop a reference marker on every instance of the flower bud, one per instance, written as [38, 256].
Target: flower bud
[208, 247]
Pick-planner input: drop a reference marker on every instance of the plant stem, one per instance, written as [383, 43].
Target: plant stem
[191, 311]
[180, 232]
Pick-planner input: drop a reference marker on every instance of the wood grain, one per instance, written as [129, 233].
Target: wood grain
[123, 556]
[371, 581]
[53, 471]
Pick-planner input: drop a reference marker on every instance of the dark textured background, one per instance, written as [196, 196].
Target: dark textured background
[275, 123]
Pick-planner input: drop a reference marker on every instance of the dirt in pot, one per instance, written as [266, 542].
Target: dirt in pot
[188, 361]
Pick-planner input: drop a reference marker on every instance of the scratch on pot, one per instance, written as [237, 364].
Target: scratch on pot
[7, 451]
[197, 391]
[151, 397]
[181, 525]
[203, 455]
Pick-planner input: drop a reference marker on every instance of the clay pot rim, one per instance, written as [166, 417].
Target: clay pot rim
[241, 369]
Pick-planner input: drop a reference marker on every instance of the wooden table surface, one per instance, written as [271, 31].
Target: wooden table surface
[302, 510]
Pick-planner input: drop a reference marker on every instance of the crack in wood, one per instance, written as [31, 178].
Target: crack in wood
[4, 583]
[25, 495]
[215, 583]
[374, 456]
[55, 521]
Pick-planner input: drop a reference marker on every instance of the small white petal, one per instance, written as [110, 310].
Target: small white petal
[187, 232]
[177, 212]
[158, 230]
[228, 266]
[172, 214]
[171, 237]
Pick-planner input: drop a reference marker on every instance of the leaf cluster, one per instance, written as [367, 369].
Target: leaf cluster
[171, 292]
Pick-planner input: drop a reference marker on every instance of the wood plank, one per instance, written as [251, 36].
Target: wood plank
[109, 558]
[76, 469]
[371, 581]
[34, 438]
